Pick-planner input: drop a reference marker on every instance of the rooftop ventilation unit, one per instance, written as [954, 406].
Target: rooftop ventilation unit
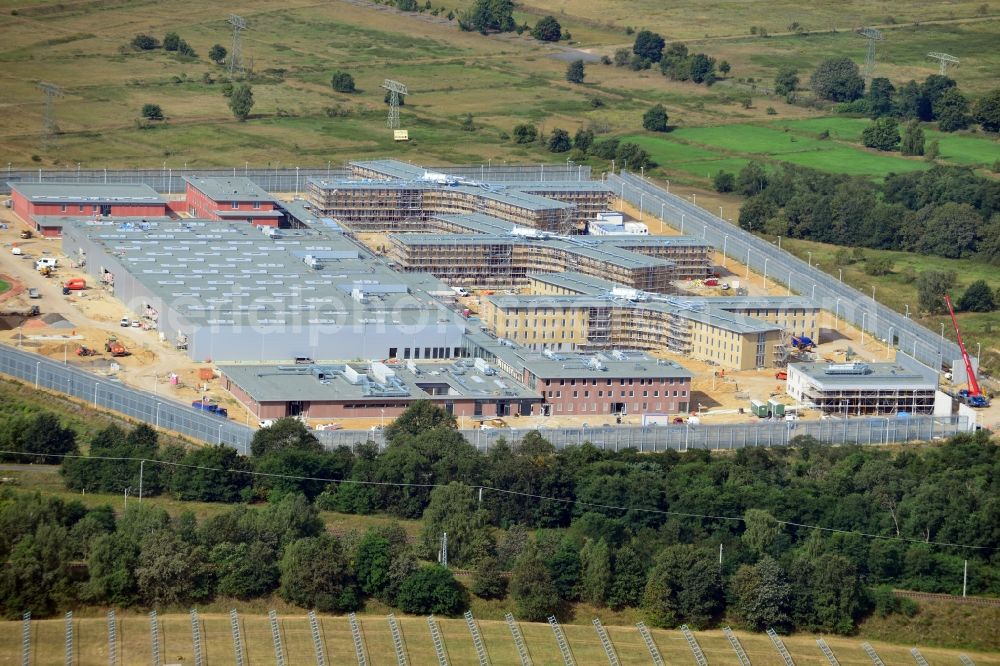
[848, 369]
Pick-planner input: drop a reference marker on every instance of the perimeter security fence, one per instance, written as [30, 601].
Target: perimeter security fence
[928, 347]
[159, 411]
[169, 180]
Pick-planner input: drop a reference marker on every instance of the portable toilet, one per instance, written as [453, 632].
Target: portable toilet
[758, 409]
[776, 408]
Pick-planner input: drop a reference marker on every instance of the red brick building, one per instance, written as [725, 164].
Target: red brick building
[45, 206]
[235, 199]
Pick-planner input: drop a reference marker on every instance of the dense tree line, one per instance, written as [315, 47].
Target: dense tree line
[945, 211]
[533, 534]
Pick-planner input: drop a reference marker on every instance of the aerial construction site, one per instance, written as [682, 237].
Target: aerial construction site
[544, 301]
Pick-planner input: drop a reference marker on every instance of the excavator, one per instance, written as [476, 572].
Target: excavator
[973, 396]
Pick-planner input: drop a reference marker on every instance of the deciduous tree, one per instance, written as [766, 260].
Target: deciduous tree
[547, 30]
[837, 80]
[240, 103]
[655, 119]
[315, 574]
[575, 72]
[762, 597]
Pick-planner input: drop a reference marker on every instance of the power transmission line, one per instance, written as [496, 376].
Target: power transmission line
[502, 491]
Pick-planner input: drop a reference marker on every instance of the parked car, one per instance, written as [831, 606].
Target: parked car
[33, 293]
[125, 322]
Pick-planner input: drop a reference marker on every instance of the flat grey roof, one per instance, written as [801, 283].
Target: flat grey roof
[89, 193]
[607, 252]
[235, 188]
[405, 171]
[478, 223]
[904, 373]
[595, 286]
[229, 274]
[527, 196]
[320, 383]
[618, 364]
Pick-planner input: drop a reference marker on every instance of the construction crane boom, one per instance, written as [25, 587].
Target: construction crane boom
[974, 390]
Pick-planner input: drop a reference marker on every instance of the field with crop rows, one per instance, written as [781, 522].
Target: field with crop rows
[135, 646]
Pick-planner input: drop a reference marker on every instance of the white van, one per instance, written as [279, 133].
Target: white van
[49, 262]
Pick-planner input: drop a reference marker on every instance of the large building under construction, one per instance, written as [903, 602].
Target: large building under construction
[387, 195]
[852, 389]
[504, 259]
[571, 311]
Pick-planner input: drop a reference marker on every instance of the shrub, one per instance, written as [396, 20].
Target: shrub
[431, 589]
[342, 82]
[152, 112]
[144, 42]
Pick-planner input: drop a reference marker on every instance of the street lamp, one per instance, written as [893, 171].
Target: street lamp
[662, 204]
[836, 314]
[38, 369]
[840, 272]
[810, 258]
[720, 212]
[682, 223]
[641, 195]
[725, 243]
[863, 315]
[748, 264]
[907, 310]
[764, 281]
[704, 233]
[888, 345]
[668, 186]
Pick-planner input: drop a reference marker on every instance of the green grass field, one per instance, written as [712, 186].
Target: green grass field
[134, 642]
[700, 152]
[4, 286]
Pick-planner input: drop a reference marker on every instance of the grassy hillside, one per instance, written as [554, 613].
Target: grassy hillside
[295, 48]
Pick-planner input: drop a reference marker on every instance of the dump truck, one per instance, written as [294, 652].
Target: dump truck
[115, 348]
[75, 284]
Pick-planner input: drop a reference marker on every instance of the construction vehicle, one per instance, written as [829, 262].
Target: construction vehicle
[781, 374]
[46, 271]
[203, 406]
[26, 234]
[85, 351]
[33, 311]
[75, 284]
[973, 396]
[115, 348]
[803, 342]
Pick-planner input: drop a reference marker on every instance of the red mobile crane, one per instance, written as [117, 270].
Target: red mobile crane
[973, 396]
